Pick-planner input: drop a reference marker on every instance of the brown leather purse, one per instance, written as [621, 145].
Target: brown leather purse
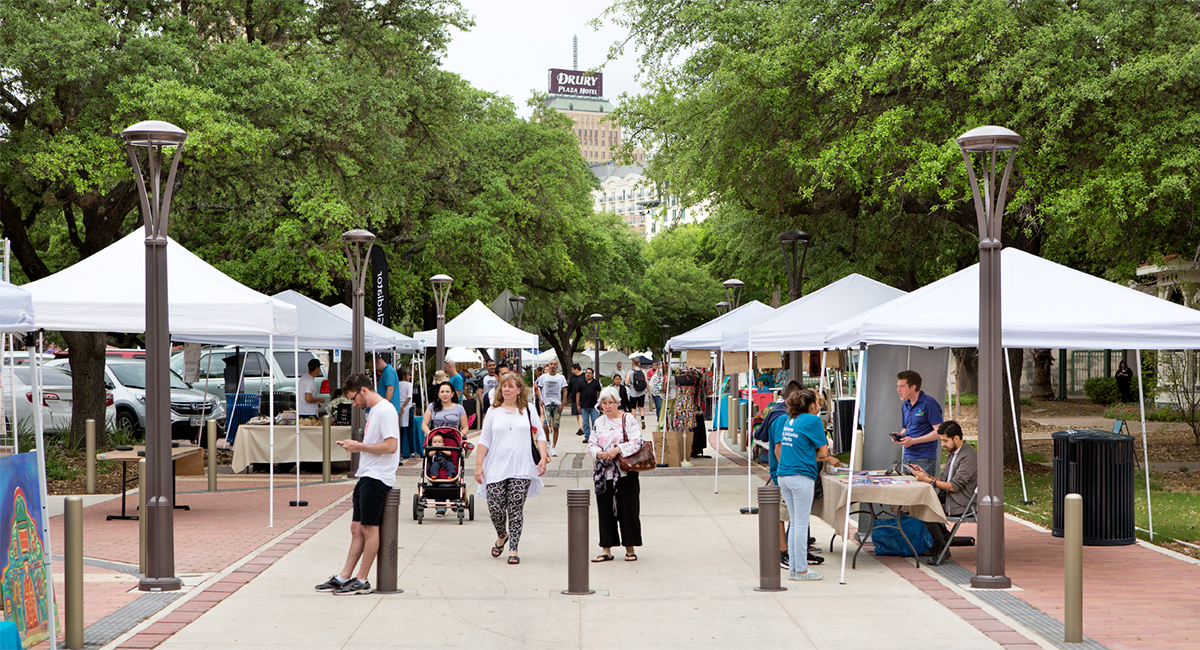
[642, 460]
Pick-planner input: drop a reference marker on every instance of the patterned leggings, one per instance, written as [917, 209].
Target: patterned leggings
[506, 500]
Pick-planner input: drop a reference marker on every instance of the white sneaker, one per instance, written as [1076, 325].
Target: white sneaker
[553, 452]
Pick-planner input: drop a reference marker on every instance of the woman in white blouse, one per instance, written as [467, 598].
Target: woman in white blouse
[504, 467]
[616, 433]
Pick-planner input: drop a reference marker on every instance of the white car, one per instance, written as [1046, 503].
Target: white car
[56, 399]
[126, 378]
[256, 372]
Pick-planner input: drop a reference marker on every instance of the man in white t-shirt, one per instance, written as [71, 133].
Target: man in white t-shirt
[379, 456]
[309, 404]
[635, 383]
[553, 389]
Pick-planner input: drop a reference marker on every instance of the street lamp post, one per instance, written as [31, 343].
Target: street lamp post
[518, 307]
[156, 209]
[793, 242]
[989, 210]
[441, 293]
[596, 318]
[722, 307]
[358, 245]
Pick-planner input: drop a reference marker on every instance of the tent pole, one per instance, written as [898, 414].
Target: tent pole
[1012, 403]
[296, 366]
[718, 382]
[1145, 448]
[271, 430]
[853, 449]
[35, 363]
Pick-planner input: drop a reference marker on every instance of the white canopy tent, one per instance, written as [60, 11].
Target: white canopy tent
[608, 361]
[1043, 305]
[397, 340]
[479, 327]
[464, 355]
[16, 309]
[709, 335]
[801, 324]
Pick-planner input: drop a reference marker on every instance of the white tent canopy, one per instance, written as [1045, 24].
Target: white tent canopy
[800, 325]
[464, 355]
[107, 293]
[479, 327]
[708, 336]
[1044, 305]
[16, 309]
[382, 335]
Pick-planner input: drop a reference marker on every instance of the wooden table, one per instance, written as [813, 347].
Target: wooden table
[906, 496]
[253, 445]
[184, 453]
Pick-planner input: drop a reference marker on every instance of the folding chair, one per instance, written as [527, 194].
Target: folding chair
[967, 517]
[1121, 426]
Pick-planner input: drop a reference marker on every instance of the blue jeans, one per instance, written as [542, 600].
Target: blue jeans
[589, 416]
[927, 464]
[797, 492]
[657, 406]
[410, 440]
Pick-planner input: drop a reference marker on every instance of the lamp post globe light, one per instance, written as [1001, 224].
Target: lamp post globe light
[596, 318]
[793, 242]
[733, 292]
[722, 307]
[358, 245]
[987, 142]
[518, 306]
[154, 136]
[441, 293]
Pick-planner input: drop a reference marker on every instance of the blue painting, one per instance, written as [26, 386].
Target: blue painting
[22, 566]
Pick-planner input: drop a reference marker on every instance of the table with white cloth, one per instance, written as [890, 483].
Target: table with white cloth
[902, 496]
[253, 445]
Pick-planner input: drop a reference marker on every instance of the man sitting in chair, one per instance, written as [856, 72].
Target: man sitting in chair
[955, 485]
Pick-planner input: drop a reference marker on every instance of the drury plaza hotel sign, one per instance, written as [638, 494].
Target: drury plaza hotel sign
[576, 82]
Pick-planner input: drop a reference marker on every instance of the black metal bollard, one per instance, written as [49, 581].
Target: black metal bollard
[577, 542]
[387, 569]
[768, 539]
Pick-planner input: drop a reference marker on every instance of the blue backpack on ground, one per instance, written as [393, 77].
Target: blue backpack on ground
[888, 541]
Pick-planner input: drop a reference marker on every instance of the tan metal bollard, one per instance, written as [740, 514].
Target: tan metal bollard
[1073, 568]
[89, 435]
[212, 455]
[768, 539]
[577, 542]
[142, 516]
[73, 552]
[387, 568]
[326, 446]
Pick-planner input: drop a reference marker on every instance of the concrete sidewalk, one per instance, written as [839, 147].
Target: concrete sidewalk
[691, 587]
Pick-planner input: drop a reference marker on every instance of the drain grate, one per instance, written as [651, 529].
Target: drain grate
[103, 631]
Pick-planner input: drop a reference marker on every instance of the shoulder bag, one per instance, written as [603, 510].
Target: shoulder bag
[642, 460]
[537, 454]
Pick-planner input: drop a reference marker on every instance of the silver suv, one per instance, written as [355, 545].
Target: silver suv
[256, 371]
[126, 379]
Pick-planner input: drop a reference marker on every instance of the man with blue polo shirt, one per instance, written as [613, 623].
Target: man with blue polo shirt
[920, 416]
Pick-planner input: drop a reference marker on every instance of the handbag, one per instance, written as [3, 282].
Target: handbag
[537, 454]
[642, 460]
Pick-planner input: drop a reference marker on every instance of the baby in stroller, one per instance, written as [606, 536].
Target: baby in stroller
[440, 467]
[443, 484]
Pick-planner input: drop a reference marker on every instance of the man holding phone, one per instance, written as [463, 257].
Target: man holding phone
[379, 456]
[956, 484]
[920, 415]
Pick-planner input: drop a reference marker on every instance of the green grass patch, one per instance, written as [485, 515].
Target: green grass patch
[1176, 514]
[971, 399]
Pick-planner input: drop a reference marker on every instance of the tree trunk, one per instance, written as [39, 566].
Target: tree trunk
[967, 369]
[1016, 361]
[87, 385]
[1043, 387]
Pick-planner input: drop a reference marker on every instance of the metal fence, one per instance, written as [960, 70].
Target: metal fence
[1086, 364]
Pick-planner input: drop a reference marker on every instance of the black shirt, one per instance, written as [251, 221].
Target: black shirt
[573, 384]
[589, 393]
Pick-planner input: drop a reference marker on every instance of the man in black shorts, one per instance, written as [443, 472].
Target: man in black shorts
[379, 456]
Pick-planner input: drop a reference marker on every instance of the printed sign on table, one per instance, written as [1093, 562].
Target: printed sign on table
[23, 572]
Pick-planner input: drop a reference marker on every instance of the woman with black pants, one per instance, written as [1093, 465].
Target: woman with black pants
[618, 505]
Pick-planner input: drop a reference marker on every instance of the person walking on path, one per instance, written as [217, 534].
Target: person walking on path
[389, 382]
[798, 442]
[655, 387]
[619, 383]
[574, 382]
[378, 458]
[409, 440]
[444, 412]
[309, 404]
[552, 387]
[618, 494]
[635, 385]
[504, 467]
[586, 399]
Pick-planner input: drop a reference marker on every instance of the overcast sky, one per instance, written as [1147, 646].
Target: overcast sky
[514, 43]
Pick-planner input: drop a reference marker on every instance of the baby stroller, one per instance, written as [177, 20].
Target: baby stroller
[440, 489]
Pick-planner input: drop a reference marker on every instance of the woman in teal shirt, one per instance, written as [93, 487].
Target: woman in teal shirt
[798, 442]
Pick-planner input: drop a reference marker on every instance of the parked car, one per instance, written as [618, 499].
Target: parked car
[256, 372]
[126, 378]
[56, 398]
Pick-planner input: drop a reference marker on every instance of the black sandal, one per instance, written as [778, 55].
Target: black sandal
[603, 558]
[512, 559]
[497, 549]
[630, 557]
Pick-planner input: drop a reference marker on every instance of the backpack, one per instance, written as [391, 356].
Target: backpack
[639, 381]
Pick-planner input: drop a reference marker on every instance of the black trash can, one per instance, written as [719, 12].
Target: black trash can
[1099, 466]
[843, 424]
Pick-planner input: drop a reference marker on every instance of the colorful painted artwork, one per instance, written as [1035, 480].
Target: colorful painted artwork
[23, 573]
